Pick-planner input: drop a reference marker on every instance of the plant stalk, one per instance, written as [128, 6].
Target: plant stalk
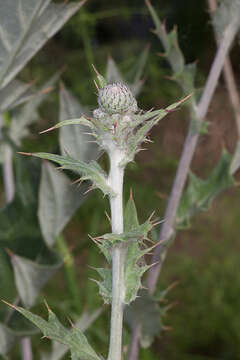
[190, 144]
[118, 256]
[26, 348]
[188, 152]
[229, 78]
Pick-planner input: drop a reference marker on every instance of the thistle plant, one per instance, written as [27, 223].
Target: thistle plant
[119, 128]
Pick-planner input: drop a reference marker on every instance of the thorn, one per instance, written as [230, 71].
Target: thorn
[161, 54]
[7, 303]
[171, 286]
[95, 83]
[93, 239]
[95, 70]
[153, 264]
[108, 217]
[47, 90]
[24, 153]
[77, 181]
[89, 190]
[151, 216]
[49, 129]
[161, 195]
[157, 223]
[171, 78]
[170, 306]
[47, 306]
[9, 252]
[171, 110]
[71, 323]
[167, 328]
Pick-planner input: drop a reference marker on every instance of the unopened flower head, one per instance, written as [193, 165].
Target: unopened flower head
[116, 99]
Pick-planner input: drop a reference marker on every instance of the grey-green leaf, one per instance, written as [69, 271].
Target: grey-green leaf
[88, 171]
[73, 338]
[31, 276]
[58, 200]
[200, 193]
[27, 115]
[76, 140]
[33, 22]
[58, 349]
[14, 94]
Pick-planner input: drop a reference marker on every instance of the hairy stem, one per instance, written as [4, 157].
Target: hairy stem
[118, 257]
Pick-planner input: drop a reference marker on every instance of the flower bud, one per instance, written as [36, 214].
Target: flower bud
[116, 98]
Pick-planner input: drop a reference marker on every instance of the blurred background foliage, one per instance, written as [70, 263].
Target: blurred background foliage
[205, 321]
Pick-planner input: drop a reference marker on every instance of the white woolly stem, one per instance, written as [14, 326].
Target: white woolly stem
[118, 256]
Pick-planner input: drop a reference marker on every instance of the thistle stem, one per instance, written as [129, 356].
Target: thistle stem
[118, 256]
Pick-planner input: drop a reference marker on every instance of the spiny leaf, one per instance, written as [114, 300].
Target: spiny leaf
[200, 193]
[53, 329]
[81, 121]
[147, 120]
[88, 171]
[133, 241]
[59, 350]
[145, 310]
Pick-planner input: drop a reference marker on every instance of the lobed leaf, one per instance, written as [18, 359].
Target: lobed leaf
[133, 240]
[59, 350]
[73, 338]
[145, 311]
[200, 193]
[88, 171]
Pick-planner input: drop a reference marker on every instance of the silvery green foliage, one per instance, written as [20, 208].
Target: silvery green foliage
[26, 25]
[58, 201]
[116, 124]
[58, 350]
[225, 13]
[77, 140]
[200, 193]
[147, 312]
[73, 338]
